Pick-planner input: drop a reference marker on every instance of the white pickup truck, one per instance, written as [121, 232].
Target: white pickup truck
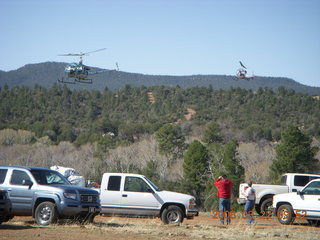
[304, 204]
[134, 194]
[291, 182]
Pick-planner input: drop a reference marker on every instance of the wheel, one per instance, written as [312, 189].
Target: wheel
[46, 213]
[314, 223]
[265, 205]
[172, 214]
[258, 210]
[285, 214]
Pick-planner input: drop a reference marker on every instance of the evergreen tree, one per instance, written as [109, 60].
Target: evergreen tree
[171, 141]
[195, 169]
[212, 133]
[293, 154]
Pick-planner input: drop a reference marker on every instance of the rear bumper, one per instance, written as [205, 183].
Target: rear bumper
[241, 201]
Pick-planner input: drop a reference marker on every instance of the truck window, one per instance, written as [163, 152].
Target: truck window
[301, 180]
[3, 173]
[18, 177]
[114, 183]
[284, 180]
[135, 184]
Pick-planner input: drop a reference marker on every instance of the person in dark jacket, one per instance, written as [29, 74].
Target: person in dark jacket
[224, 186]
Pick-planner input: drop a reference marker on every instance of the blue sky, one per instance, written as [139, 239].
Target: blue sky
[278, 38]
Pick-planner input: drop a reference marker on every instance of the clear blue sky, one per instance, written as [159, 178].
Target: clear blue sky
[279, 38]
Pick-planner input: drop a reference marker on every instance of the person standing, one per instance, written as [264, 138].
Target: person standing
[250, 195]
[224, 186]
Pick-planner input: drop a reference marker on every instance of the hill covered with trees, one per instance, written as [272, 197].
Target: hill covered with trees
[66, 115]
[46, 75]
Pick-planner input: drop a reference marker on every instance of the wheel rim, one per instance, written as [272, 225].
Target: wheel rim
[45, 214]
[284, 215]
[173, 216]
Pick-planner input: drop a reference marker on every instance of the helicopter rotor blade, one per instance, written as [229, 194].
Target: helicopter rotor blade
[72, 54]
[242, 65]
[81, 54]
[94, 51]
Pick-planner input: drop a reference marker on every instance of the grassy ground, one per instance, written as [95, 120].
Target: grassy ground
[202, 227]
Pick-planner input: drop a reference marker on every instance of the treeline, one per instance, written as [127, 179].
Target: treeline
[84, 116]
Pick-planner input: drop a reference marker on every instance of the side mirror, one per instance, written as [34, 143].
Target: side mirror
[27, 182]
[300, 193]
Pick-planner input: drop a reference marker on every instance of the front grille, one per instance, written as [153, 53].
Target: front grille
[89, 198]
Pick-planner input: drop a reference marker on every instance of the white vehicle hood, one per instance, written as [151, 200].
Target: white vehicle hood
[168, 196]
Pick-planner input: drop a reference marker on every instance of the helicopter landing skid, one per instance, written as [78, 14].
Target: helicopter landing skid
[62, 80]
[87, 80]
[75, 80]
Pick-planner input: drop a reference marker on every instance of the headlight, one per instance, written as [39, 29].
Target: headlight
[70, 195]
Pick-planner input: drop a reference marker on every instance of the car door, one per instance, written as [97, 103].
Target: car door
[308, 201]
[138, 197]
[110, 194]
[21, 192]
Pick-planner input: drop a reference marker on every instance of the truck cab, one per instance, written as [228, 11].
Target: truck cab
[134, 194]
[304, 204]
[290, 182]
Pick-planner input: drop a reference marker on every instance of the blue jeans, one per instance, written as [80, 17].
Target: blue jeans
[248, 211]
[225, 205]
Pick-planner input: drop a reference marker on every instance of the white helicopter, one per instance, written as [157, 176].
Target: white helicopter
[242, 73]
[78, 72]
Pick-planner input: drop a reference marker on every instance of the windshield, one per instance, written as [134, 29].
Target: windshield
[49, 177]
[313, 188]
[153, 185]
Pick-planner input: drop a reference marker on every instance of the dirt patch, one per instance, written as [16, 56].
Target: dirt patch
[190, 113]
[202, 227]
[151, 98]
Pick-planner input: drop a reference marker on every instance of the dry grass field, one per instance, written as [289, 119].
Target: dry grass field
[202, 227]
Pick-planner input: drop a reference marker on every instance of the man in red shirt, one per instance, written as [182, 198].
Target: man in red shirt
[224, 186]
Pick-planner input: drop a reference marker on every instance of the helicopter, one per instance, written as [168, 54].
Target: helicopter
[78, 72]
[242, 73]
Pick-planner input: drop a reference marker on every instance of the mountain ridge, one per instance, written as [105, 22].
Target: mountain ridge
[46, 75]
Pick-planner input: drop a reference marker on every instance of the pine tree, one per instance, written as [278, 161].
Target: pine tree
[195, 169]
[293, 154]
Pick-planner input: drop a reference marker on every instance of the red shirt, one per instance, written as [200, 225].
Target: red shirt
[224, 188]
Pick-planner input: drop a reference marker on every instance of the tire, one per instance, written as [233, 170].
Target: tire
[258, 210]
[265, 205]
[46, 213]
[285, 214]
[172, 214]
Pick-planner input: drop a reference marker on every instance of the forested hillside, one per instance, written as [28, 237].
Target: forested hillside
[66, 115]
[47, 74]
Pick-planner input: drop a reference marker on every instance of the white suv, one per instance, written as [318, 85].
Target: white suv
[304, 204]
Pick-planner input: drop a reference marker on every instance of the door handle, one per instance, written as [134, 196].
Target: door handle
[9, 189]
[124, 195]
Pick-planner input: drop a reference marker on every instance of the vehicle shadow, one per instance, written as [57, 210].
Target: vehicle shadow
[18, 227]
[111, 224]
